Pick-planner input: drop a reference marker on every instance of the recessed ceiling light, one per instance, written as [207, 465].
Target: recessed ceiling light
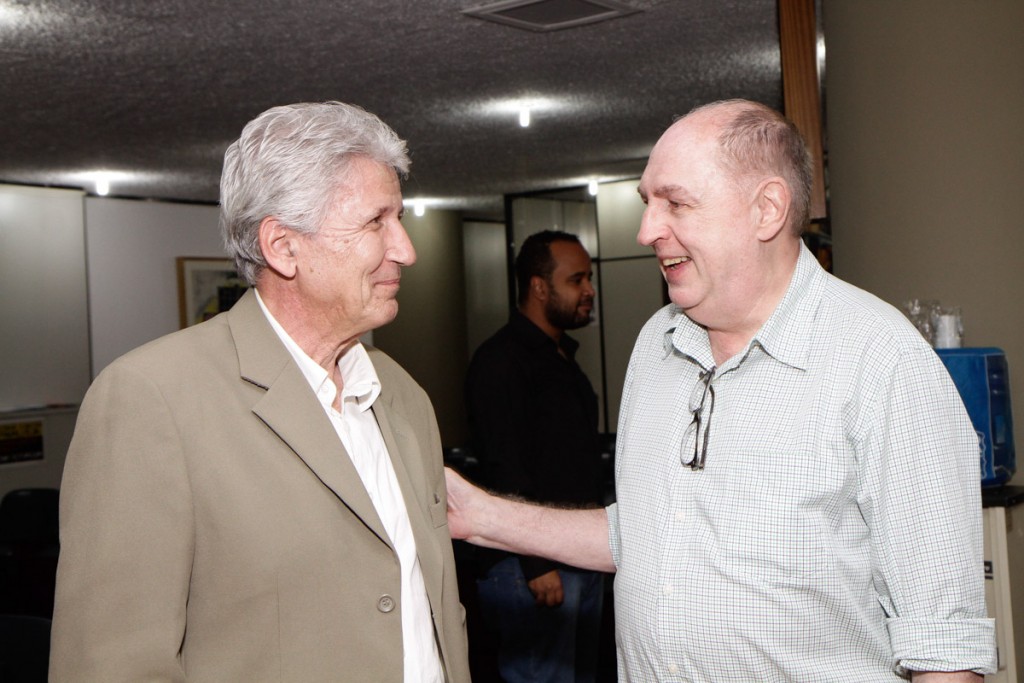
[418, 205]
[100, 181]
[535, 103]
[10, 14]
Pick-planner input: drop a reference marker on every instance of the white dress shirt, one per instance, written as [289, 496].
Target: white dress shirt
[360, 434]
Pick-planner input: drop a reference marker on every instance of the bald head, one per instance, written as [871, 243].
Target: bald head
[725, 205]
[752, 142]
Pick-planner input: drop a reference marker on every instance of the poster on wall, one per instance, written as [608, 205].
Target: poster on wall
[21, 441]
[206, 287]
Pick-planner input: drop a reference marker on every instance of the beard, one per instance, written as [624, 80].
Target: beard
[565, 316]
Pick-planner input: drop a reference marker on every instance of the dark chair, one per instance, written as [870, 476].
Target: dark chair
[29, 547]
[24, 648]
[29, 516]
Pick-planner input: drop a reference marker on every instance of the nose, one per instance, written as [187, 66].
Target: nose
[650, 231]
[400, 249]
[588, 288]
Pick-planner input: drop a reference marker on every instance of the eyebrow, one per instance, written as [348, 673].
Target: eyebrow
[667, 190]
[382, 210]
[661, 191]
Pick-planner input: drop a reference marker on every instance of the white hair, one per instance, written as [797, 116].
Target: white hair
[288, 163]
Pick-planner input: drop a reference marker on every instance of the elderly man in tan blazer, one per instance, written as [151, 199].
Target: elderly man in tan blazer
[261, 497]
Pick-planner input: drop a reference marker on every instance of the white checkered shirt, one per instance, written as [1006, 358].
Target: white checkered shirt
[835, 531]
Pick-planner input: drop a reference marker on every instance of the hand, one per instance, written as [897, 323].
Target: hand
[547, 589]
[945, 677]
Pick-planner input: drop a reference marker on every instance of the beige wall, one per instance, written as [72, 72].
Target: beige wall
[925, 127]
[485, 258]
[428, 338]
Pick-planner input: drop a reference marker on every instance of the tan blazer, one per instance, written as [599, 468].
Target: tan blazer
[214, 529]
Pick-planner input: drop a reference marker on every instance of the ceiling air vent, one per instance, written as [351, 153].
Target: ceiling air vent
[550, 15]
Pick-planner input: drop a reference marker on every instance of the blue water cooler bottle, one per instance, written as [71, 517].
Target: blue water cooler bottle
[982, 377]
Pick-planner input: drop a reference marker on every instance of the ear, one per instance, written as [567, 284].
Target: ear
[773, 205]
[277, 244]
[538, 288]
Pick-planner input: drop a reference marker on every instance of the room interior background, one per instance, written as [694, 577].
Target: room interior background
[922, 104]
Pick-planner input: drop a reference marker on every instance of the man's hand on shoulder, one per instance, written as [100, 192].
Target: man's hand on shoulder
[575, 537]
[461, 495]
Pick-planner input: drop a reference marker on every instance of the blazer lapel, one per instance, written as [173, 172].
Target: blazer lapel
[407, 460]
[290, 408]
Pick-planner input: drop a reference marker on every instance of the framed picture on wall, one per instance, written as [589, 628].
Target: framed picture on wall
[206, 287]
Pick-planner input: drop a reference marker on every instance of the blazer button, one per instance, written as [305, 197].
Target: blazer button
[386, 604]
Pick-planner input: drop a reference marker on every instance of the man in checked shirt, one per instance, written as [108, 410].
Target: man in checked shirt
[797, 480]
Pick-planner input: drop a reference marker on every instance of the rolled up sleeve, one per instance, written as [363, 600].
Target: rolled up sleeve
[922, 501]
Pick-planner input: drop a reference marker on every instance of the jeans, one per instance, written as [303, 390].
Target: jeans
[539, 644]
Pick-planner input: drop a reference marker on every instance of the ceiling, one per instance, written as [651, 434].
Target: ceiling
[151, 92]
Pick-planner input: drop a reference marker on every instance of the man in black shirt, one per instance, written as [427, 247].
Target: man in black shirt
[533, 418]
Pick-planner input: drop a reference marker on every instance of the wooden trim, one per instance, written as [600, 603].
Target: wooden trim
[800, 88]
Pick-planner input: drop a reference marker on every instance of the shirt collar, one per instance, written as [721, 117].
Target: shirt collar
[535, 337]
[361, 381]
[360, 377]
[784, 336]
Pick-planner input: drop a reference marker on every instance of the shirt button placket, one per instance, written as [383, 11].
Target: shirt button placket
[673, 558]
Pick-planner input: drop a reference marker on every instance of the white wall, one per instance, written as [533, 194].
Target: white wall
[619, 209]
[632, 285]
[131, 249]
[44, 338]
